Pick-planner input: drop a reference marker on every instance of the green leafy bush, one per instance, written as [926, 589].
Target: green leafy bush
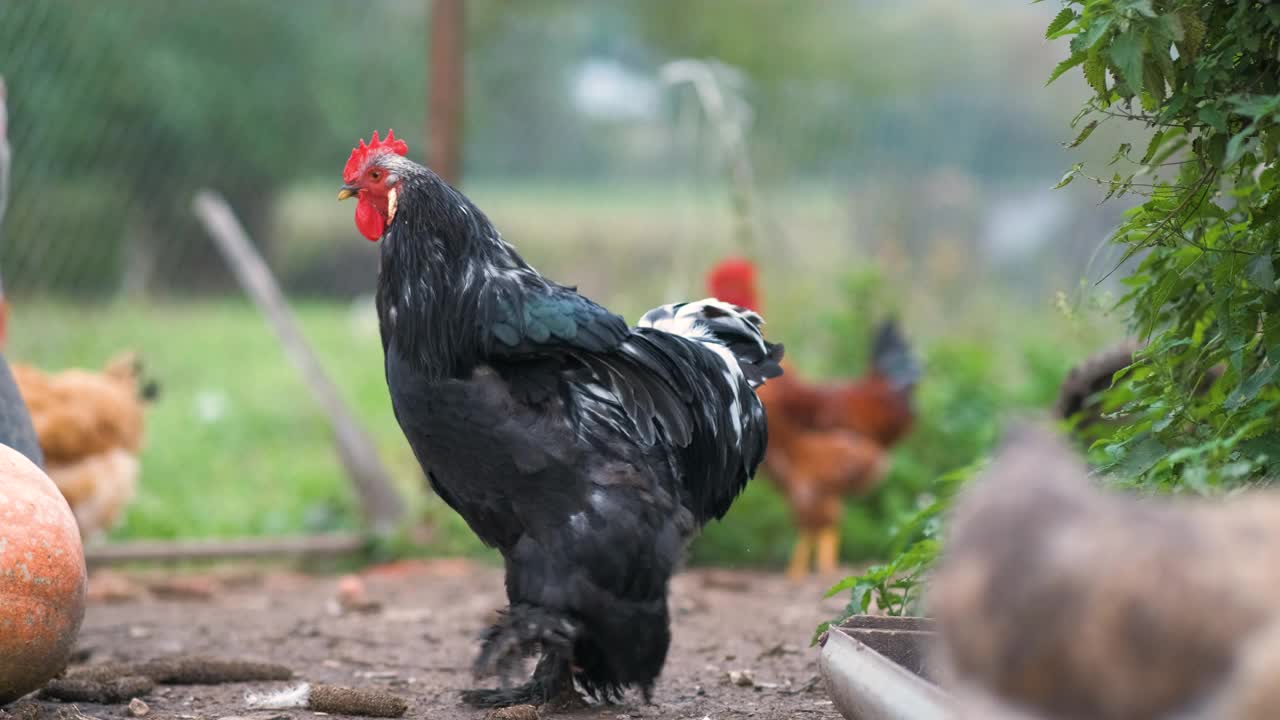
[1204, 78]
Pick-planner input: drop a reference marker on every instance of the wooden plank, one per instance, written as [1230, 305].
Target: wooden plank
[179, 550]
[381, 503]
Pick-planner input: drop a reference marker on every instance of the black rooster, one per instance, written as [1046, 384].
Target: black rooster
[586, 451]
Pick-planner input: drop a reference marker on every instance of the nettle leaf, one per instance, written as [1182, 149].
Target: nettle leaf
[1059, 22]
[1267, 446]
[1249, 389]
[1140, 7]
[1255, 106]
[1085, 111]
[1250, 41]
[1153, 80]
[1084, 134]
[1095, 73]
[1122, 153]
[1126, 54]
[874, 575]
[1137, 458]
[1066, 65]
[861, 599]
[1236, 146]
[1261, 272]
[1069, 176]
[1113, 186]
[1092, 34]
[1214, 117]
[1216, 149]
[1158, 139]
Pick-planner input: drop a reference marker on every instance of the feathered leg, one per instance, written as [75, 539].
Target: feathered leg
[521, 633]
[798, 568]
[828, 549]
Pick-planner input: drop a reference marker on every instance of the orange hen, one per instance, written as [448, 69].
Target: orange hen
[828, 440]
[90, 428]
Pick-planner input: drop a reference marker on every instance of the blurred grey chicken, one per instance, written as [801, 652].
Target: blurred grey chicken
[16, 430]
[1065, 601]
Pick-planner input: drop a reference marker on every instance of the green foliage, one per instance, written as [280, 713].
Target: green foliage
[1204, 77]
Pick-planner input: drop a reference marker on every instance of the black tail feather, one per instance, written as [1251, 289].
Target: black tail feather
[1077, 393]
[626, 647]
[892, 357]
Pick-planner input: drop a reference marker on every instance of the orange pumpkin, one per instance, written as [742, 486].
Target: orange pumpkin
[42, 577]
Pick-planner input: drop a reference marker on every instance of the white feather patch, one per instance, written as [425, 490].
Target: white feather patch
[392, 196]
[732, 376]
[295, 697]
[689, 321]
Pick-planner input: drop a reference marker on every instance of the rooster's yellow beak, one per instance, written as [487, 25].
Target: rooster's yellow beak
[346, 192]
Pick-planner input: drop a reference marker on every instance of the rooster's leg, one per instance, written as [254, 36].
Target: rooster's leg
[551, 684]
[798, 568]
[524, 631]
[828, 549]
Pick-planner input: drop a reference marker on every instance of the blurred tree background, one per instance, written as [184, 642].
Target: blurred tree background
[904, 151]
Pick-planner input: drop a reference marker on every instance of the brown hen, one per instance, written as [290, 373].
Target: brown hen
[828, 440]
[90, 428]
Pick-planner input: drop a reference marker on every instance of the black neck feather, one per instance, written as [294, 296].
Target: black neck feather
[440, 260]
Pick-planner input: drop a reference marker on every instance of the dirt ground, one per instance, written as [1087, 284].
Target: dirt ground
[420, 642]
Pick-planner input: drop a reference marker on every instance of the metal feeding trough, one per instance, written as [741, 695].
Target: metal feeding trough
[875, 669]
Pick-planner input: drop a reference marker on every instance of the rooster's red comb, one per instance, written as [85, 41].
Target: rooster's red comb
[734, 280]
[734, 270]
[375, 146]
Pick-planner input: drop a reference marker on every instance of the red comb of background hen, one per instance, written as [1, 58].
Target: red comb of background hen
[734, 281]
[360, 154]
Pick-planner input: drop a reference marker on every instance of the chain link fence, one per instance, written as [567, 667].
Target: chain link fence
[120, 111]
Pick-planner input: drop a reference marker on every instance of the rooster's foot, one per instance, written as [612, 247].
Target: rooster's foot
[551, 684]
[521, 633]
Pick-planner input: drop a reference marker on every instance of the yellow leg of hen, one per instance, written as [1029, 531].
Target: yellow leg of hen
[828, 549]
[798, 568]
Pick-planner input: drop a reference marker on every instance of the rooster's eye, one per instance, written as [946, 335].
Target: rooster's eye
[375, 175]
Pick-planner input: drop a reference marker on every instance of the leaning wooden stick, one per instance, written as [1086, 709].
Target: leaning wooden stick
[382, 506]
[327, 545]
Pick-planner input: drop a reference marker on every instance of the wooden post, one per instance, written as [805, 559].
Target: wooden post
[382, 506]
[4, 151]
[445, 104]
